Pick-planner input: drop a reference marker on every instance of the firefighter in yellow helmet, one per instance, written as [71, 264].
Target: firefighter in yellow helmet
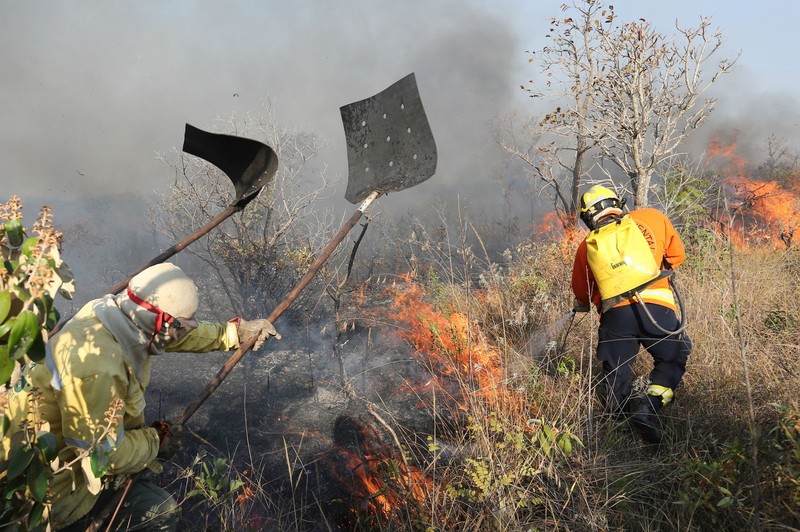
[104, 353]
[648, 319]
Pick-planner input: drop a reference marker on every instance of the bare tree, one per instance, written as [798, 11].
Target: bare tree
[571, 68]
[652, 95]
[254, 258]
[781, 164]
[624, 93]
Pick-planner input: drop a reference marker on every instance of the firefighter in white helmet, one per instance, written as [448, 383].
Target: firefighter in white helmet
[104, 353]
[648, 318]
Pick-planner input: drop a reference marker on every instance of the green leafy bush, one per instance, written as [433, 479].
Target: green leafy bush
[32, 275]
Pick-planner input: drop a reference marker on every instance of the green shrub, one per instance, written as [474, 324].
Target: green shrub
[32, 275]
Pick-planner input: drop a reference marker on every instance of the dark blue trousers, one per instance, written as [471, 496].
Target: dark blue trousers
[622, 331]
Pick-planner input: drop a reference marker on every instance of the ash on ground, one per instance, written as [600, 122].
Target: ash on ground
[277, 409]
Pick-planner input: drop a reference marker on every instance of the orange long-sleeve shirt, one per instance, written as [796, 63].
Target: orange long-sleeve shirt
[666, 246]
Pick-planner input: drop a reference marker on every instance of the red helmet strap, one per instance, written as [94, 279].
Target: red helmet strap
[161, 316]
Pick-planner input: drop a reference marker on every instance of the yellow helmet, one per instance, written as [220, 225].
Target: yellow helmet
[598, 202]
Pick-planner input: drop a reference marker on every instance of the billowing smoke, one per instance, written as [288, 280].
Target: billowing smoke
[91, 94]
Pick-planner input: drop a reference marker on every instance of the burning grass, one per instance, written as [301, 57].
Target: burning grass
[512, 435]
[453, 349]
[522, 443]
[518, 439]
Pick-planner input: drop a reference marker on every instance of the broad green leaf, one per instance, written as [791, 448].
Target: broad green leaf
[5, 327]
[37, 350]
[11, 266]
[19, 461]
[28, 245]
[45, 308]
[37, 480]
[48, 445]
[6, 367]
[99, 461]
[725, 502]
[52, 319]
[23, 334]
[43, 304]
[545, 445]
[6, 424]
[5, 305]
[15, 232]
[14, 485]
[565, 444]
[35, 517]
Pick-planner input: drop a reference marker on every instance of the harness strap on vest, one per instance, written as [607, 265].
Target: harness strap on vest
[608, 304]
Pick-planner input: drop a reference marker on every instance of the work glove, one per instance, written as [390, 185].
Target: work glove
[577, 306]
[263, 328]
[170, 437]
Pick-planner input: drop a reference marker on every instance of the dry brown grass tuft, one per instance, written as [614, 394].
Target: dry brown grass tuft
[741, 312]
[521, 442]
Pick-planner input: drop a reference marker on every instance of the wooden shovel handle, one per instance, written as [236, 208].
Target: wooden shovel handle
[237, 355]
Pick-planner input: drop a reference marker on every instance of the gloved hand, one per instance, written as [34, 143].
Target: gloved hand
[577, 306]
[170, 436]
[263, 328]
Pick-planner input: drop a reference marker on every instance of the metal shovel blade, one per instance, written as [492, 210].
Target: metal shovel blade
[390, 145]
[248, 163]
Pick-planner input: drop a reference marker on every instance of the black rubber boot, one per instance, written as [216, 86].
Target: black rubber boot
[645, 421]
[618, 410]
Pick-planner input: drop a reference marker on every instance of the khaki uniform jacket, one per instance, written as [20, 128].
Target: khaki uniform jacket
[666, 246]
[84, 371]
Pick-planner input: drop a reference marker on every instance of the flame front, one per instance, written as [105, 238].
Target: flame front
[558, 227]
[767, 211]
[376, 478]
[457, 354]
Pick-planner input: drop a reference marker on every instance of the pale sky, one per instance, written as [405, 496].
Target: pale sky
[92, 90]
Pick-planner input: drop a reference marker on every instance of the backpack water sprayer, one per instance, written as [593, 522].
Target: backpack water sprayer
[619, 255]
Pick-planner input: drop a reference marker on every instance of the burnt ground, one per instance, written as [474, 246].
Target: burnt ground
[277, 410]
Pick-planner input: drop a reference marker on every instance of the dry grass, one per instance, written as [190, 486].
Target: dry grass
[743, 313]
[522, 443]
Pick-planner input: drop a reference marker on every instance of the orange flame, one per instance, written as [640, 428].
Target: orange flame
[376, 477]
[725, 155]
[556, 226]
[550, 227]
[767, 211]
[453, 348]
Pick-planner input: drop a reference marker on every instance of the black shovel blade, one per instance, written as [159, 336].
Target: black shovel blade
[248, 163]
[390, 145]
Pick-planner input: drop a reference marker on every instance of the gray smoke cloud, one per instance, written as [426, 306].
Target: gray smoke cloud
[91, 92]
